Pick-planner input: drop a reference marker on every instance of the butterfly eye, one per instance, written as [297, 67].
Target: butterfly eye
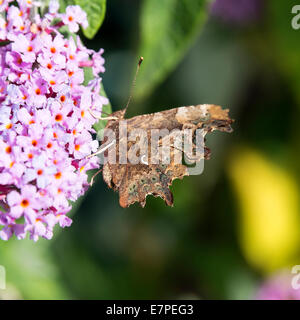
[154, 179]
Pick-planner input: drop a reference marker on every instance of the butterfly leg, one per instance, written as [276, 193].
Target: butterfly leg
[94, 176]
[101, 150]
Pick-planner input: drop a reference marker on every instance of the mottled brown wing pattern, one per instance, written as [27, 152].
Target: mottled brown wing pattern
[135, 182]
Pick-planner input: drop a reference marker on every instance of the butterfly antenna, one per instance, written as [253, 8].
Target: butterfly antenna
[134, 81]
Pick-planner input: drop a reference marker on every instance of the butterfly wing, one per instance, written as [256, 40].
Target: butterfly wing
[135, 181]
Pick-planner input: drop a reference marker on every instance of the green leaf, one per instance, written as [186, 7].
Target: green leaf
[95, 10]
[88, 75]
[106, 111]
[168, 29]
[67, 34]
[284, 40]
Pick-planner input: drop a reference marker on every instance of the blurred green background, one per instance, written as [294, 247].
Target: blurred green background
[232, 227]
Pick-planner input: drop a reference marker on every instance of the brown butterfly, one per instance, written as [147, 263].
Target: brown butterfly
[154, 168]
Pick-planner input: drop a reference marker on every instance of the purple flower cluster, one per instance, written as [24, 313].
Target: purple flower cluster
[45, 123]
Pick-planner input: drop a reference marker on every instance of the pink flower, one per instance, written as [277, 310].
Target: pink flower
[41, 171]
[45, 123]
[54, 49]
[11, 229]
[73, 17]
[4, 5]
[98, 63]
[53, 6]
[278, 287]
[55, 80]
[3, 25]
[15, 61]
[15, 17]
[83, 145]
[24, 46]
[23, 203]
